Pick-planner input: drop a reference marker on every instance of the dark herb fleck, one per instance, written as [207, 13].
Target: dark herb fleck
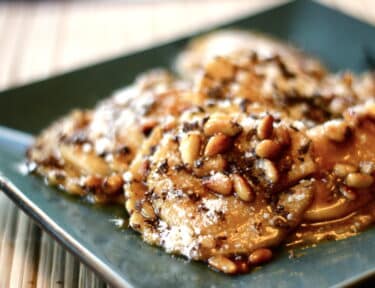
[124, 150]
[304, 148]
[198, 163]
[163, 167]
[186, 126]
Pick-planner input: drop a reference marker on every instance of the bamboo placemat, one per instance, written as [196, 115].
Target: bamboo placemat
[40, 39]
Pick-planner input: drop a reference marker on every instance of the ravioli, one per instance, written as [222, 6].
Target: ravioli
[87, 152]
[220, 184]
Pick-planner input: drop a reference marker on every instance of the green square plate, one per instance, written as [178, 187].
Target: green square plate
[120, 256]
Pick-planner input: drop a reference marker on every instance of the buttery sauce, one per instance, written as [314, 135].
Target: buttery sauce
[333, 215]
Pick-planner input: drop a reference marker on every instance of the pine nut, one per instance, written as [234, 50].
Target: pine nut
[270, 170]
[265, 128]
[336, 130]
[190, 146]
[217, 144]
[136, 221]
[342, 170]
[216, 164]
[93, 182]
[56, 177]
[282, 135]
[220, 69]
[348, 193]
[147, 126]
[367, 167]
[89, 163]
[367, 111]
[140, 168]
[222, 263]
[260, 256]
[301, 170]
[242, 188]
[74, 188]
[130, 205]
[148, 211]
[359, 180]
[219, 183]
[267, 149]
[221, 123]
[208, 242]
[113, 184]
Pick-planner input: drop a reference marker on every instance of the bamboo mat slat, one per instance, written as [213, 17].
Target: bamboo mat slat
[40, 39]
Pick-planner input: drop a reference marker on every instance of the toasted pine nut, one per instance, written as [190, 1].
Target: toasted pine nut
[367, 111]
[217, 144]
[113, 184]
[300, 171]
[130, 205]
[89, 163]
[267, 149]
[242, 188]
[56, 177]
[202, 85]
[147, 126]
[93, 182]
[359, 180]
[260, 256]
[342, 170]
[148, 211]
[370, 111]
[222, 263]
[219, 68]
[270, 170]
[221, 123]
[219, 183]
[216, 164]
[348, 193]
[347, 78]
[74, 188]
[208, 242]
[265, 128]
[190, 146]
[282, 135]
[336, 130]
[367, 167]
[136, 221]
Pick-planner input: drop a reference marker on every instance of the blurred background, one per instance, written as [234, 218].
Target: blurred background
[38, 39]
[43, 38]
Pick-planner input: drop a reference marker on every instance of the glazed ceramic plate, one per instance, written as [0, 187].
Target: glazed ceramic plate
[119, 255]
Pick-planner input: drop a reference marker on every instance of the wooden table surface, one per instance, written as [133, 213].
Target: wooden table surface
[40, 39]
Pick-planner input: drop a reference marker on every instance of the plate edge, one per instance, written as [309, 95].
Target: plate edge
[59, 234]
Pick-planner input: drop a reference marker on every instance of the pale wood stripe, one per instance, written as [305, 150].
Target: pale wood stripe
[71, 270]
[23, 268]
[88, 279]
[58, 265]
[45, 262]
[3, 16]
[38, 55]
[31, 253]
[7, 243]
[12, 33]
